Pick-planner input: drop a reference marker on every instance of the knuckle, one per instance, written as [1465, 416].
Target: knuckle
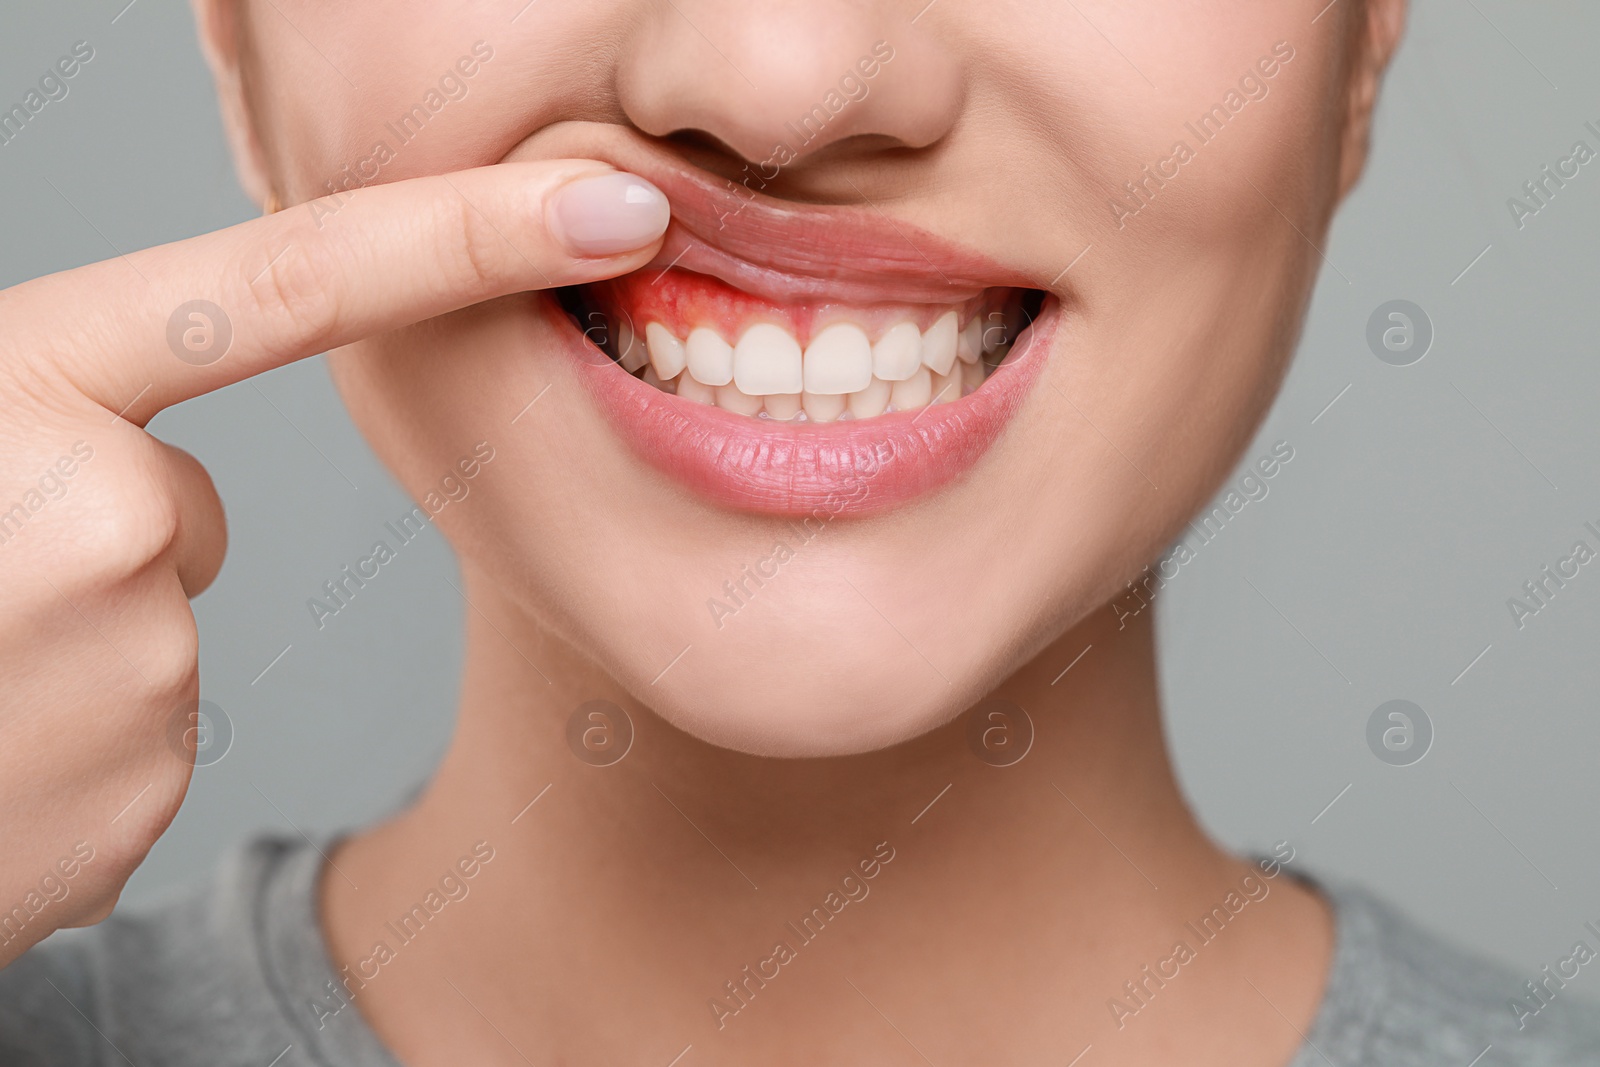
[474, 249]
[297, 292]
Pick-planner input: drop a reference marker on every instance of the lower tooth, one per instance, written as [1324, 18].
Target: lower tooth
[824, 407]
[914, 392]
[730, 398]
[871, 401]
[691, 388]
[947, 387]
[783, 406]
[971, 377]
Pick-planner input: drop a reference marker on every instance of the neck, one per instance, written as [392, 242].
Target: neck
[688, 895]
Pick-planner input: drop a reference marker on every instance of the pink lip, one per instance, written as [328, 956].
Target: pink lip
[796, 254]
[792, 253]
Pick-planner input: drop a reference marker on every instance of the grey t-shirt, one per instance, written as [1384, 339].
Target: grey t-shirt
[236, 975]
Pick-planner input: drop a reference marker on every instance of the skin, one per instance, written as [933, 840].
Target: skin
[1026, 895]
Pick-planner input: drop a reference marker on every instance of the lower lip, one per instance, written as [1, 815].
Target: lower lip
[792, 469]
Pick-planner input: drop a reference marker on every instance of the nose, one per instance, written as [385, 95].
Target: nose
[783, 79]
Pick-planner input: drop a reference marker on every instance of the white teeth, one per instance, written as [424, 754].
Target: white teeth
[841, 373]
[898, 353]
[871, 401]
[691, 389]
[838, 361]
[914, 392]
[633, 353]
[971, 377]
[710, 358]
[824, 407]
[783, 406]
[666, 351]
[730, 398]
[939, 344]
[767, 361]
[969, 347]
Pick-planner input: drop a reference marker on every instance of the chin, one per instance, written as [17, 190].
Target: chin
[797, 708]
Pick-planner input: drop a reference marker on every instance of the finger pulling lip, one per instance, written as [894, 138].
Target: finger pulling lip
[788, 252]
[786, 469]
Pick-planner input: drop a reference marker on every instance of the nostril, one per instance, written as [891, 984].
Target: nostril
[699, 141]
[707, 151]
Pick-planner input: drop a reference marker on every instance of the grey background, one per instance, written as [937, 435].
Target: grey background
[1377, 568]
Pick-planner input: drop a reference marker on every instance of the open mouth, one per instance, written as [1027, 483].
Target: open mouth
[707, 342]
[797, 359]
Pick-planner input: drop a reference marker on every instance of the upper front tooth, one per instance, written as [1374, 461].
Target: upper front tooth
[710, 357]
[970, 345]
[667, 354]
[838, 360]
[939, 344]
[898, 353]
[767, 361]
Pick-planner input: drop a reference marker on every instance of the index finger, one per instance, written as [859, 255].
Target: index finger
[197, 315]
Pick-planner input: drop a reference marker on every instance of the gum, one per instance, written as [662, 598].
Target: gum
[682, 300]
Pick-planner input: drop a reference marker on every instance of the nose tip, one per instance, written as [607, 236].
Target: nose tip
[783, 81]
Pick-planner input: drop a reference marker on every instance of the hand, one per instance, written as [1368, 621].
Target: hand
[105, 531]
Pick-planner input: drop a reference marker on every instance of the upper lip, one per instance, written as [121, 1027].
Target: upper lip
[789, 252]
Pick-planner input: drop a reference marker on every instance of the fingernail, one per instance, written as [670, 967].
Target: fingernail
[609, 214]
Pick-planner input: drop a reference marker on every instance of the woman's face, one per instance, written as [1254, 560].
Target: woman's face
[1108, 211]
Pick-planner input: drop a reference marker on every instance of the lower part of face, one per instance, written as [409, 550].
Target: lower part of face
[733, 480]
